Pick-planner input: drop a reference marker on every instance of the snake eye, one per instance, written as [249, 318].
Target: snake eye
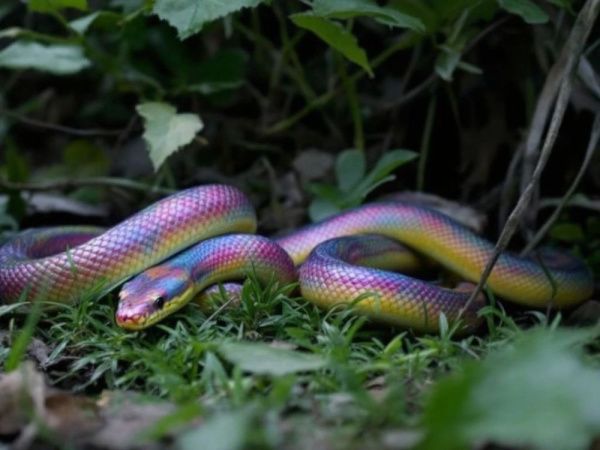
[159, 302]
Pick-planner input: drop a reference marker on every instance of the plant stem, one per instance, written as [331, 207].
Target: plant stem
[426, 142]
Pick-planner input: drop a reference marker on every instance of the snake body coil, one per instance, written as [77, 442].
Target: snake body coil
[35, 264]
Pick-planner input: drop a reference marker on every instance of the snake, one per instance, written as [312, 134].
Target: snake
[167, 254]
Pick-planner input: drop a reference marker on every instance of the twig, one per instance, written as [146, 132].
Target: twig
[592, 145]
[324, 98]
[575, 201]
[61, 128]
[508, 185]
[81, 182]
[426, 141]
[573, 48]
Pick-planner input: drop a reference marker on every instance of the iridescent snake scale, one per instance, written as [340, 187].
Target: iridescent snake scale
[211, 229]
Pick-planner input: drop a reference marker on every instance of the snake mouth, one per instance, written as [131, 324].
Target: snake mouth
[136, 314]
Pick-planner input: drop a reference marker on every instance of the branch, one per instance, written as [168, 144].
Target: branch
[591, 148]
[63, 129]
[572, 49]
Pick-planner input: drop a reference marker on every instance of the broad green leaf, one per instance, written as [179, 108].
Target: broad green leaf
[225, 431]
[335, 35]
[419, 9]
[349, 169]
[346, 9]
[82, 24]
[55, 5]
[528, 10]
[261, 358]
[189, 16]
[389, 162]
[326, 191]
[165, 130]
[321, 208]
[56, 59]
[538, 393]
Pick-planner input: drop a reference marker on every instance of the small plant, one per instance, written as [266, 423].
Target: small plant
[353, 182]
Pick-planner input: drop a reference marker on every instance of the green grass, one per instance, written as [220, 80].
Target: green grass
[371, 383]
[180, 360]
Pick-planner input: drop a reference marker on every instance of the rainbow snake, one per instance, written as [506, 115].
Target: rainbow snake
[210, 230]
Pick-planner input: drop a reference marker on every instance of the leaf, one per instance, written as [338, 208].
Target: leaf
[165, 130]
[346, 9]
[335, 35]
[55, 5]
[261, 358]
[83, 24]
[538, 393]
[321, 208]
[56, 59]
[529, 11]
[446, 63]
[189, 16]
[389, 162]
[470, 68]
[225, 431]
[349, 168]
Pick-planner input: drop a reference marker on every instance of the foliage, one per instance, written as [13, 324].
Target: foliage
[535, 393]
[105, 104]
[86, 42]
[353, 182]
[166, 131]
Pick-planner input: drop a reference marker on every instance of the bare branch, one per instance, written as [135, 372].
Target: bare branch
[572, 51]
[61, 128]
[591, 148]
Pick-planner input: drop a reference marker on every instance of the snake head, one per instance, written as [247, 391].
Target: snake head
[153, 295]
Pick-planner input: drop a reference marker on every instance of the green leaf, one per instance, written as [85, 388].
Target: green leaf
[322, 208]
[349, 168]
[389, 162]
[165, 130]
[225, 431]
[346, 9]
[264, 359]
[538, 393]
[335, 35]
[189, 16]
[83, 24]
[568, 232]
[56, 59]
[526, 9]
[55, 5]
[446, 63]
[470, 68]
